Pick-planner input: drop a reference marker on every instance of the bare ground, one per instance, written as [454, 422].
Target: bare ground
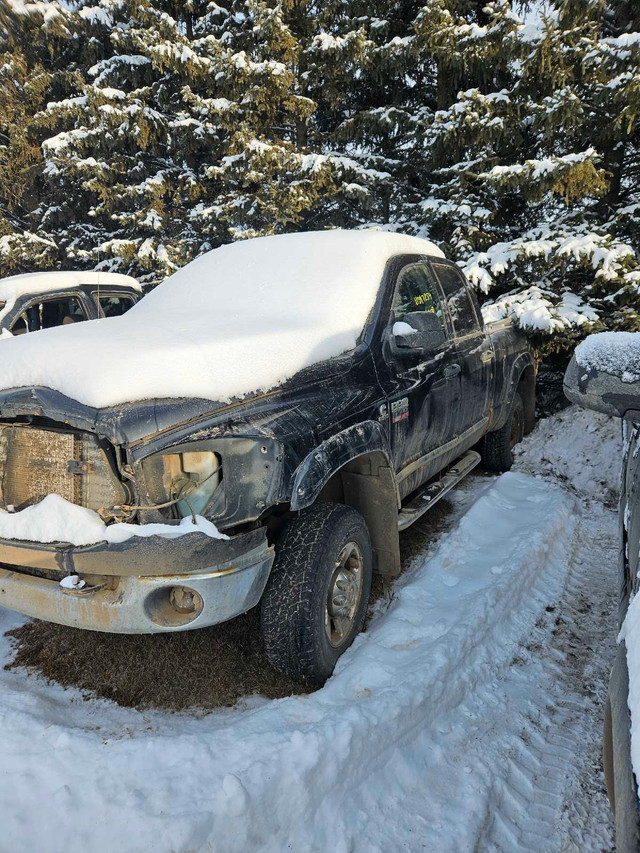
[203, 670]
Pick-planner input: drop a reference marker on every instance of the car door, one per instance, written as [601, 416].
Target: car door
[474, 349]
[422, 387]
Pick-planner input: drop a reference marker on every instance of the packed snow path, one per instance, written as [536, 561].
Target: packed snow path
[468, 717]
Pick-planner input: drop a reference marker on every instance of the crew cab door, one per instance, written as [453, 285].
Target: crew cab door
[473, 346]
[422, 386]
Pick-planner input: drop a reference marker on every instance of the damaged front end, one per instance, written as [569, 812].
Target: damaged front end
[141, 585]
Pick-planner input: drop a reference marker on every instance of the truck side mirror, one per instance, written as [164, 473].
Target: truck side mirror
[419, 331]
[599, 376]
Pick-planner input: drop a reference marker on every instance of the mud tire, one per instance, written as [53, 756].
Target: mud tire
[294, 603]
[496, 448]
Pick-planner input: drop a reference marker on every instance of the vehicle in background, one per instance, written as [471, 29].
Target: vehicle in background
[41, 300]
[310, 474]
[603, 376]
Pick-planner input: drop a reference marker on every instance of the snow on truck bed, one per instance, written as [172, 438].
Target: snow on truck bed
[242, 318]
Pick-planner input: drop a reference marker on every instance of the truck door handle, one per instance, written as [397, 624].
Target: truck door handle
[451, 370]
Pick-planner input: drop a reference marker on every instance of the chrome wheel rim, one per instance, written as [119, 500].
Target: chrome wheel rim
[344, 594]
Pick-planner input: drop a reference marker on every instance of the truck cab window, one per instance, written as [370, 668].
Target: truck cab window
[416, 290]
[20, 326]
[461, 309]
[48, 313]
[114, 306]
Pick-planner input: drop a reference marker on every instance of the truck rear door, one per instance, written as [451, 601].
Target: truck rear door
[473, 345]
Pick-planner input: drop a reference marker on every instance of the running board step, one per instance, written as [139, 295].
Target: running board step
[433, 491]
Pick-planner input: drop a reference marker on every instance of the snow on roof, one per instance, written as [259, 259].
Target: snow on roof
[41, 282]
[239, 319]
[617, 353]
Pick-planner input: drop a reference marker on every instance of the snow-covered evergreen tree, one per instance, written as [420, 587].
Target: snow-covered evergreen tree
[181, 134]
[138, 133]
[548, 232]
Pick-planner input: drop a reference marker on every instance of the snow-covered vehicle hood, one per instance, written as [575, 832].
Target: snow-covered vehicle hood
[242, 318]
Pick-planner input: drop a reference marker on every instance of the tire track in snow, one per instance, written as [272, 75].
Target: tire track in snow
[550, 794]
[439, 729]
[525, 740]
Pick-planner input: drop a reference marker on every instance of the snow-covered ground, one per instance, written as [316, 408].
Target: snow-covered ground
[466, 718]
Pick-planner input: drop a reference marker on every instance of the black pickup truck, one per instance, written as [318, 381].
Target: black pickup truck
[310, 480]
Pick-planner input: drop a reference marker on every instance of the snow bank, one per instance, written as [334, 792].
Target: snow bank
[617, 353]
[56, 520]
[242, 318]
[578, 447]
[328, 771]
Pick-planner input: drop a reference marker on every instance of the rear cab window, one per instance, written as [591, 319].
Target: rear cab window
[460, 303]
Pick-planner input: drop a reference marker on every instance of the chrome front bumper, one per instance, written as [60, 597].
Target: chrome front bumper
[130, 587]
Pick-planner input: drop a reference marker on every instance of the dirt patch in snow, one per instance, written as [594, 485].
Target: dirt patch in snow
[211, 668]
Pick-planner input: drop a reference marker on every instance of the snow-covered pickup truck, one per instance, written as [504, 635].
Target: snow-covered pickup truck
[35, 301]
[257, 429]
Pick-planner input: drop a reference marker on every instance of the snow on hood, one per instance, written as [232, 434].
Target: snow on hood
[617, 353]
[239, 319]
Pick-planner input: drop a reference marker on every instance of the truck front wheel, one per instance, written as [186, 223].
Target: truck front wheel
[316, 598]
[496, 448]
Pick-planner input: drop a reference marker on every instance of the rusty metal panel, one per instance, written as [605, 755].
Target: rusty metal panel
[38, 462]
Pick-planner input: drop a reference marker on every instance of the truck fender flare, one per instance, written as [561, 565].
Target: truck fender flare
[317, 468]
[359, 456]
[522, 362]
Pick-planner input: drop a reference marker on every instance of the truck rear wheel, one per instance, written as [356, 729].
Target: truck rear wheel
[496, 448]
[316, 598]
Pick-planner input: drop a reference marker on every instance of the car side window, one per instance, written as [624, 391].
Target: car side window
[114, 306]
[416, 291]
[461, 308]
[48, 313]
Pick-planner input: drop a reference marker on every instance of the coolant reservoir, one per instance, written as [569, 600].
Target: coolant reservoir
[203, 467]
[203, 464]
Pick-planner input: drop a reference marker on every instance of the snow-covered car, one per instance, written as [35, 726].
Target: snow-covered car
[604, 375]
[35, 301]
[257, 429]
